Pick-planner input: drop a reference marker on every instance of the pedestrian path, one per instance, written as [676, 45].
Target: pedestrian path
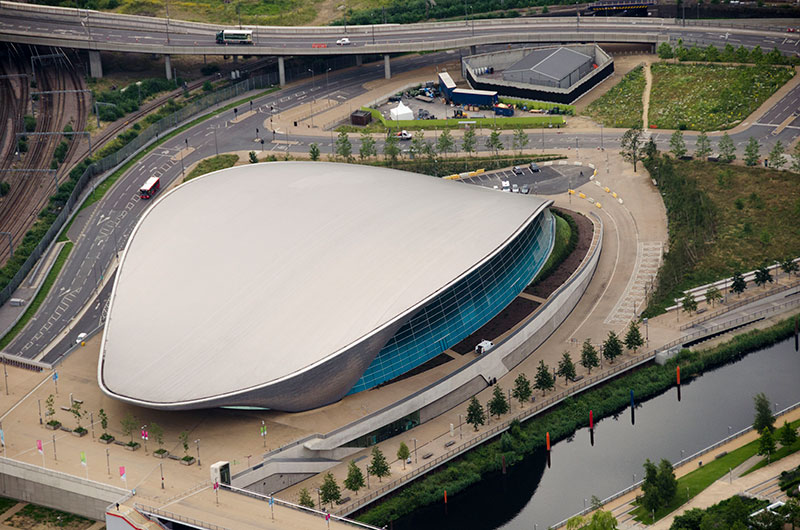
[632, 302]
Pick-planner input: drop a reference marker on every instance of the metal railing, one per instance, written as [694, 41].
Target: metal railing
[739, 303]
[149, 510]
[676, 465]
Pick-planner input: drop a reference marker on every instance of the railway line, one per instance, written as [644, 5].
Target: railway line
[30, 191]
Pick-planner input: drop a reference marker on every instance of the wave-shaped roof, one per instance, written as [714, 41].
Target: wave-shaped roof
[249, 275]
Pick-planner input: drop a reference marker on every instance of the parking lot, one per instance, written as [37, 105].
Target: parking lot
[435, 110]
[549, 180]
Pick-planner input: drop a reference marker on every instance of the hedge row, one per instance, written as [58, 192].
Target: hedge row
[561, 249]
[563, 421]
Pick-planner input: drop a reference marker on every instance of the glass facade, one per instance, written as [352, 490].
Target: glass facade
[464, 307]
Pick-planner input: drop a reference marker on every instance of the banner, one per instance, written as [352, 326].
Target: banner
[122, 473]
[39, 447]
[83, 458]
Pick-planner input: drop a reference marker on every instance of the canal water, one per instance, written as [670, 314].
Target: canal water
[532, 496]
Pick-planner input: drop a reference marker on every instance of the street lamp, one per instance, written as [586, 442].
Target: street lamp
[198, 452]
[312, 76]
[216, 146]
[415, 450]
[326, 78]
[319, 499]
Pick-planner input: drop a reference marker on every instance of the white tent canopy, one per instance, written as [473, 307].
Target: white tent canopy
[401, 112]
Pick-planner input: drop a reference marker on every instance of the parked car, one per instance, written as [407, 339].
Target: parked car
[505, 185]
[81, 337]
[517, 170]
[404, 135]
[534, 167]
[515, 188]
[395, 98]
[525, 189]
[344, 41]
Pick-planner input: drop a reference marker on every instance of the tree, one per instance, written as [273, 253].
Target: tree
[788, 434]
[329, 491]
[544, 380]
[403, 453]
[589, 357]
[767, 520]
[713, 295]
[689, 304]
[253, 157]
[343, 146]
[665, 51]
[5, 187]
[445, 142]
[157, 433]
[667, 483]
[390, 148]
[789, 266]
[183, 438]
[751, 152]
[633, 338]
[791, 510]
[378, 467]
[128, 424]
[367, 148]
[522, 389]
[612, 347]
[498, 405]
[355, 478]
[468, 141]
[313, 152]
[702, 146]
[738, 284]
[602, 520]
[763, 276]
[766, 444]
[305, 499]
[520, 139]
[796, 158]
[76, 411]
[650, 150]
[651, 500]
[418, 143]
[763, 418]
[727, 149]
[49, 406]
[103, 420]
[776, 158]
[475, 414]
[677, 145]
[493, 142]
[566, 368]
[631, 144]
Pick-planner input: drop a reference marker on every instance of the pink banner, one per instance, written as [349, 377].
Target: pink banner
[122, 472]
[39, 446]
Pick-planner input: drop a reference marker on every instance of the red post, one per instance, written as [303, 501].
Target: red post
[591, 420]
[679, 374]
[445, 496]
[548, 441]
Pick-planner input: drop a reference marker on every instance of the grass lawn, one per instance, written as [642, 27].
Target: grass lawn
[700, 479]
[6, 503]
[710, 97]
[41, 295]
[622, 105]
[33, 516]
[780, 453]
[758, 217]
[381, 124]
[268, 13]
[215, 163]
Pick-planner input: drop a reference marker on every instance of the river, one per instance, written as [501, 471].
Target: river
[531, 496]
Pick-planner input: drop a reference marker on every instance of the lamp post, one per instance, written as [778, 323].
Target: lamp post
[216, 146]
[319, 499]
[312, 76]
[327, 85]
[198, 452]
[415, 450]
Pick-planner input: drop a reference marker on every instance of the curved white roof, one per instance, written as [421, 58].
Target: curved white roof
[249, 275]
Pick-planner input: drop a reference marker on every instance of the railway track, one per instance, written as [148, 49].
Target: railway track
[31, 191]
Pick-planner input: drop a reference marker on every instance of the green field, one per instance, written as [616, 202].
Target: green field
[622, 105]
[215, 163]
[710, 97]
[382, 124]
[265, 13]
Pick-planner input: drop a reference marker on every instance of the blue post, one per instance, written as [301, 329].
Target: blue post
[632, 403]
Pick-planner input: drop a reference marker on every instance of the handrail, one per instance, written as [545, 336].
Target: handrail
[180, 518]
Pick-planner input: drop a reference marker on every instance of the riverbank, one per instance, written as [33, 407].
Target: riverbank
[562, 422]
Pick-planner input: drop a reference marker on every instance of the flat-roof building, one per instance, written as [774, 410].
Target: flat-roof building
[288, 285]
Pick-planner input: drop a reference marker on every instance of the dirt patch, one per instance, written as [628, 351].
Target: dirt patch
[509, 317]
[33, 517]
[547, 286]
[424, 367]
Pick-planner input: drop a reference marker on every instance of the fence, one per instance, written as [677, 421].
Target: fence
[149, 510]
[738, 304]
[676, 465]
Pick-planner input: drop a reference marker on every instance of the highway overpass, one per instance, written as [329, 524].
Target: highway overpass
[96, 31]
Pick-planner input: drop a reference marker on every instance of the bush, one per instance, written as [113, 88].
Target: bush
[30, 123]
[208, 69]
[5, 187]
[207, 86]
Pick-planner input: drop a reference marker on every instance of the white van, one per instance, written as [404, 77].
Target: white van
[506, 186]
[484, 346]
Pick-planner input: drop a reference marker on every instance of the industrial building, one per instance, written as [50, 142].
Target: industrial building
[560, 74]
[288, 285]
